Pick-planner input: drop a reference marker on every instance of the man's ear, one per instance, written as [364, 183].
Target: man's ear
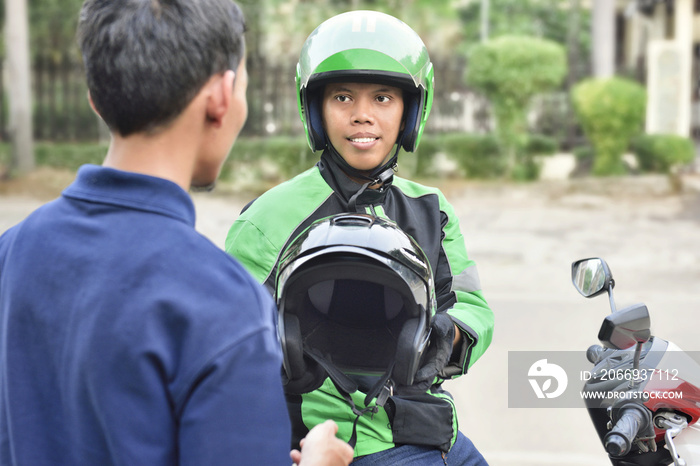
[220, 97]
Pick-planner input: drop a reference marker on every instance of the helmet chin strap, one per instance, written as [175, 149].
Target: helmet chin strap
[379, 175]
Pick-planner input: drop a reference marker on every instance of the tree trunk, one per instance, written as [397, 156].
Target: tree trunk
[484, 27]
[574, 60]
[603, 32]
[19, 84]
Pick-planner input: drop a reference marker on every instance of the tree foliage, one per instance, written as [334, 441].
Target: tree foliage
[611, 112]
[662, 152]
[52, 26]
[278, 28]
[510, 70]
[547, 19]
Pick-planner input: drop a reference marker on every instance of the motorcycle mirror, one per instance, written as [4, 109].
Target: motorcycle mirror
[626, 327]
[591, 277]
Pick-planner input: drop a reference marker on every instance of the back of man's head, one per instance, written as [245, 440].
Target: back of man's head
[146, 59]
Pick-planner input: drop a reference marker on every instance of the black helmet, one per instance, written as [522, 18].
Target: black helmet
[355, 297]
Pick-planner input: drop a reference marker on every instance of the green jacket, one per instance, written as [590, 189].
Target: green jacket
[258, 237]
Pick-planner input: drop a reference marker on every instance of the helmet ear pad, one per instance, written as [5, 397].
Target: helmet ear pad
[409, 351]
[303, 374]
[294, 364]
[413, 103]
[312, 103]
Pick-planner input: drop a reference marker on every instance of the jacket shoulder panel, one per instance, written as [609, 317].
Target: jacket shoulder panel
[261, 231]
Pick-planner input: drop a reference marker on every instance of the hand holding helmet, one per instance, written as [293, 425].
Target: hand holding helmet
[437, 355]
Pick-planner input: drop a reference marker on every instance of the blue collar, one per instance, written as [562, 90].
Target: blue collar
[104, 185]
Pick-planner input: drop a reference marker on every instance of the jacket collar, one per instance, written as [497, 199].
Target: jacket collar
[345, 187]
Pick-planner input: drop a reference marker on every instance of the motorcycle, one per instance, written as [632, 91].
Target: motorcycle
[643, 392]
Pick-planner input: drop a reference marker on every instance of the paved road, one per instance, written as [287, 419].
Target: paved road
[524, 238]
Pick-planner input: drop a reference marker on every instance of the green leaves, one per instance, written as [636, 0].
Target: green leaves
[547, 19]
[661, 152]
[510, 70]
[611, 111]
[52, 26]
[515, 68]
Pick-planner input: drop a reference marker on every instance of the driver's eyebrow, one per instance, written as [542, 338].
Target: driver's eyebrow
[340, 89]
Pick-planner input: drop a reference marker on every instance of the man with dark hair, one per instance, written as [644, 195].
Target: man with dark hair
[127, 337]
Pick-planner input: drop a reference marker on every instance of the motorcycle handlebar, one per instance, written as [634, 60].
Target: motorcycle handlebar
[619, 440]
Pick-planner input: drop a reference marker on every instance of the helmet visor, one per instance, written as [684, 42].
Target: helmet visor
[352, 258]
[351, 309]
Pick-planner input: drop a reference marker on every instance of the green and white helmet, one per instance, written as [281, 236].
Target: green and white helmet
[365, 46]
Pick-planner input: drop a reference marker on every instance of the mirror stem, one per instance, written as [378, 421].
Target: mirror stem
[637, 355]
[613, 308]
[635, 365]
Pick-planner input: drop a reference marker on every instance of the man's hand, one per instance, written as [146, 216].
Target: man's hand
[321, 447]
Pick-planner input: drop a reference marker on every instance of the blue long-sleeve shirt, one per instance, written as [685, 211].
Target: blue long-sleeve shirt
[128, 338]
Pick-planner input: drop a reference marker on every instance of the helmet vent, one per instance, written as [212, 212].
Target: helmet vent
[353, 220]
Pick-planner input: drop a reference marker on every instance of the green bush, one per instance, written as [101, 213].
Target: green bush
[611, 111]
[5, 155]
[539, 144]
[424, 155]
[551, 115]
[584, 160]
[660, 152]
[529, 167]
[583, 154]
[290, 155]
[69, 156]
[480, 156]
[60, 155]
[510, 71]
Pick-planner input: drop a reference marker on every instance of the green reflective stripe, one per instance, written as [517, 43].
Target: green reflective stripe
[467, 281]
[379, 211]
